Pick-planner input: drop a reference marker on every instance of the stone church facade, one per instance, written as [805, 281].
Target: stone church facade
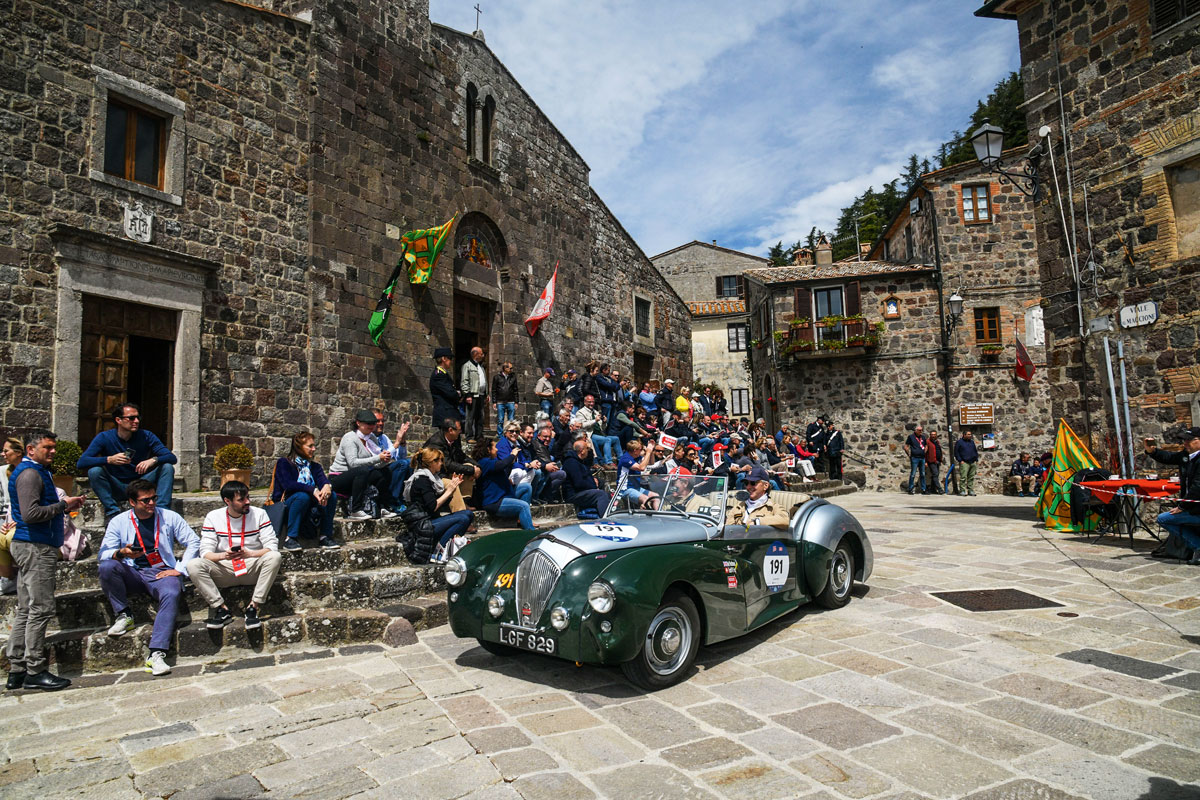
[1124, 80]
[204, 200]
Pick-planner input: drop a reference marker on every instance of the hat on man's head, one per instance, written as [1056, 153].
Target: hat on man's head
[693, 446]
[1190, 433]
[669, 382]
[758, 473]
[719, 446]
[443, 352]
[549, 370]
[365, 417]
[569, 372]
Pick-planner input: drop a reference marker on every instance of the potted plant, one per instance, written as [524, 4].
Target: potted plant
[800, 322]
[234, 462]
[63, 468]
[992, 350]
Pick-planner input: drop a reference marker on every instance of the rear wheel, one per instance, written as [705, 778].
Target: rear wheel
[670, 645]
[840, 579]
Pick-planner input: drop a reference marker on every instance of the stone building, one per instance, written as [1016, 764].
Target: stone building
[709, 278]
[1117, 85]
[863, 341]
[204, 200]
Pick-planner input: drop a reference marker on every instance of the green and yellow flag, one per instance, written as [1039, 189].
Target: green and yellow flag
[1054, 502]
[419, 251]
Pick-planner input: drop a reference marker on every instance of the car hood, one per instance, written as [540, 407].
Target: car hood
[618, 532]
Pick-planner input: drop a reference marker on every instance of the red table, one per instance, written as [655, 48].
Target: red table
[1128, 494]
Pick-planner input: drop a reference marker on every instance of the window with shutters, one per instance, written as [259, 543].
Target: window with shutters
[738, 334]
[1166, 13]
[739, 402]
[987, 325]
[828, 302]
[976, 205]
[730, 286]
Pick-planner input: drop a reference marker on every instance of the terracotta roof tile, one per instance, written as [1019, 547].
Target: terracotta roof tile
[714, 308]
[842, 269]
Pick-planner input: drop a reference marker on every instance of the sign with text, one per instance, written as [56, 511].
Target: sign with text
[976, 414]
[1139, 315]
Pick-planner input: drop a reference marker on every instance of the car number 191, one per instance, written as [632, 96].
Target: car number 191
[527, 640]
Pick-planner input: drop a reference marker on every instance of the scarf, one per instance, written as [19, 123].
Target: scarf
[434, 479]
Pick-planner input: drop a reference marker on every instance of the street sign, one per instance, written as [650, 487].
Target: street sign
[976, 414]
[1141, 314]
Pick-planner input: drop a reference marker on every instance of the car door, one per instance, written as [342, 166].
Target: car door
[765, 560]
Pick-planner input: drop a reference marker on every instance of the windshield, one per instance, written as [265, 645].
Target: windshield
[698, 497]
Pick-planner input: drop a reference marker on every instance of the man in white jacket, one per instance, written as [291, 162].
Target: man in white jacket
[238, 547]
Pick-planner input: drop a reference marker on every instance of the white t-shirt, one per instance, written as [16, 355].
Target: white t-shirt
[215, 532]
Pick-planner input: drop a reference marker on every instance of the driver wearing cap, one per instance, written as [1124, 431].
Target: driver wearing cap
[681, 494]
[758, 508]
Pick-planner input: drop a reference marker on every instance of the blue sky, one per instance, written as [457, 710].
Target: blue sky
[747, 123]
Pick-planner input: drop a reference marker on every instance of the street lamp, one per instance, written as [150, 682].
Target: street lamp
[988, 141]
[955, 303]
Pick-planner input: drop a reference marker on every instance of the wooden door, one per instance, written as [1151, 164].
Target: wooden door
[127, 354]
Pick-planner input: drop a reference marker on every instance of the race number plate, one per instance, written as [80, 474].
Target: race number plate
[527, 640]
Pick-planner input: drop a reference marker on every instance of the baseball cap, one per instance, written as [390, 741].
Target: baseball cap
[693, 446]
[549, 370]
[758, 473]
[1191, 433]
[681, 471]
[669, 381]
[719, 446]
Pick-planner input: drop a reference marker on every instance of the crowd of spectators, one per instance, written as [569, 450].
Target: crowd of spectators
[927, 456]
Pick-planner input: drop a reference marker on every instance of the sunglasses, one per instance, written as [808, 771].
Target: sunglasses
[130, 416]
[150, 499]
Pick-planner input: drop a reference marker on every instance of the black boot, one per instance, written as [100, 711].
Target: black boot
[16, 680]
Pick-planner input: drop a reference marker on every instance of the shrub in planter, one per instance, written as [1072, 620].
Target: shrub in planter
[233, 456]
[992, 349]
[65, 457]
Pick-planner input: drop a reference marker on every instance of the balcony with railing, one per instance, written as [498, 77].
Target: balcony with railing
[828, 337]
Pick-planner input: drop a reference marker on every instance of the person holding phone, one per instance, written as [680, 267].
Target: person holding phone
[238, 547]
[137, 556]
[1183, 520]
[125, 453]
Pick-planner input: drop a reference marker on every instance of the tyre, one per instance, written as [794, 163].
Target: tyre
[670, 645]
[495, 648]
[840, 579]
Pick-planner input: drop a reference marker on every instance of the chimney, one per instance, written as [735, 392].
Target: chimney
[864, 250]
[824, 252]
[804, 257]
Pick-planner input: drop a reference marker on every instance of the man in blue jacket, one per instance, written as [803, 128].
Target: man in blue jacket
[127, 453]
[967, 456]
[38, 514]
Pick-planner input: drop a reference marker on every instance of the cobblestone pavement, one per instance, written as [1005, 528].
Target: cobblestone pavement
[899, 695]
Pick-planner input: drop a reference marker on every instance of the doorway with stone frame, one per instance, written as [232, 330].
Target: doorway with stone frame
[473, 328]
[127, 355]
[643, 368]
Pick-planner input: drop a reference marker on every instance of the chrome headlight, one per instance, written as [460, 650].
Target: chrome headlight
[560, 618]
[495, 605]
[455, 571]
[601, 597]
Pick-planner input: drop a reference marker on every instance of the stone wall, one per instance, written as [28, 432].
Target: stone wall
[305, 150]
[1129, 99]
[694, 267]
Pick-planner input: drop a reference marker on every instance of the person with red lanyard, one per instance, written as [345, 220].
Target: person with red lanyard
[137, 556]
[238, 547]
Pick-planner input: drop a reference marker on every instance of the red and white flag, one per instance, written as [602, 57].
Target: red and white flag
[1024, 368]
[544, 306]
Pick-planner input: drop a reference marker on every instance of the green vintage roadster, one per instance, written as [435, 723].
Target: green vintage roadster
[644, 589]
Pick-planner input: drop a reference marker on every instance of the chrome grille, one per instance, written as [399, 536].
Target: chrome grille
[536, 575]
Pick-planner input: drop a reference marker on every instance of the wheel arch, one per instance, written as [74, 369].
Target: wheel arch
[693, 594]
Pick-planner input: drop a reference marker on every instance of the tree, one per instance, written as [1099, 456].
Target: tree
[776, 255]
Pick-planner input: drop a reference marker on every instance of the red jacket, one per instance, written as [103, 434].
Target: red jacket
[933, 452]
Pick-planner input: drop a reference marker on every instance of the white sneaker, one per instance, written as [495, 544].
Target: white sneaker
[360, 514]
[8, 586]
[438, 557]
[122, 625]
[388, 513]
[156, 664]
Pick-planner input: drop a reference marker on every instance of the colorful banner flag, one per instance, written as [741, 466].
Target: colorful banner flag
[1054, 503]
[1024, 368]
[420, 250]
[544, 305]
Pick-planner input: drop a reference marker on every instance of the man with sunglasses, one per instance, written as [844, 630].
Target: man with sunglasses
[137, 556]
[126, 453]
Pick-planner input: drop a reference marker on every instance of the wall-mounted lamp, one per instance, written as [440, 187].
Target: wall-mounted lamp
[988, 142]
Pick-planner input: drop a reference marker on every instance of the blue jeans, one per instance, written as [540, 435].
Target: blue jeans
[450, 525]
[504, 412]
[399, 474]
[546, 406]
[705, 443]
[917, 468]
[607, 448]
[119, 580]
[297, 511]
[1184, 525]
[512, 507]
[112, 492]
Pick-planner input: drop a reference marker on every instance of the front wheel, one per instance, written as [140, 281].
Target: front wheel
[840, 579]
[669, 647]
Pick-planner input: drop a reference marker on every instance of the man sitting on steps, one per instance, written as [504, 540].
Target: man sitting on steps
[125, 453]
[137, 556]
[238, 547]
